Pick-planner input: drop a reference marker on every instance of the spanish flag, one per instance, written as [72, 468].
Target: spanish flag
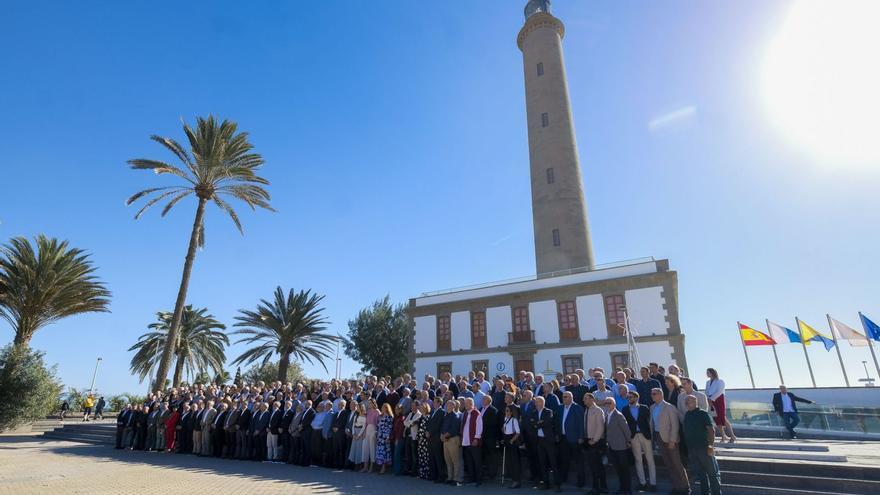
[750, 336]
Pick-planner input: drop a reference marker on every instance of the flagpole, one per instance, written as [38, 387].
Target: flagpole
[743, 342]
[837, 347]
[775, 356]
[804, 345]
[870, 344]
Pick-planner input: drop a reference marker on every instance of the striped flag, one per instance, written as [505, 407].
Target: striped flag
[750, 336]
[811, 334]
[842, 331]
[782, 334]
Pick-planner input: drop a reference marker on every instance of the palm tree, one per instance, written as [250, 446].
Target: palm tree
[220, 164]
[288, 327]
[199, 344]
[42, 285]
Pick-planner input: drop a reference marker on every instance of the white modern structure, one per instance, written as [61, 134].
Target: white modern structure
[572, 313]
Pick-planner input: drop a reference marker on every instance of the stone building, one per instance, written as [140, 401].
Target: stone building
[572, 313]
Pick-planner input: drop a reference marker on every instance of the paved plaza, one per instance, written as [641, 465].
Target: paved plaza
[31, 465]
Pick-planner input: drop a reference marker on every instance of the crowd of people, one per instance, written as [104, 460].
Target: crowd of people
[461, 430]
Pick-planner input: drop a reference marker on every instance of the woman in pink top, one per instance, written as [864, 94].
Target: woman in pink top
[369, 445]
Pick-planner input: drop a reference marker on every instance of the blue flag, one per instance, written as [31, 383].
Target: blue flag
[871, 328]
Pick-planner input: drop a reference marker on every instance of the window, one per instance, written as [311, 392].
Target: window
[521, 319]
[551, 177]
[619, 360]
[478, 330]
[540, 69]
[614, 314]
[545, 119]
[482, 365]
[568, 325]
[571, 363]
[444, 334]
[444, 368]
[556, 241]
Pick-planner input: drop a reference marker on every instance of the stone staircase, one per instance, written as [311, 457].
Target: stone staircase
[97, 432]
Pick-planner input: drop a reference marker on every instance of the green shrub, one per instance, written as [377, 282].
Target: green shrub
[28, 389]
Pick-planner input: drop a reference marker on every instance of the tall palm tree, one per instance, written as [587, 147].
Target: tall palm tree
[43, 284]
[220, 164]
[199, 344]
[288, 326]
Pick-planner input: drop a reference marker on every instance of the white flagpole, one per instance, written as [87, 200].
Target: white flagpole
[870, 344]
[837, 347]
[775, 356]
[804, 345]
[743, 342]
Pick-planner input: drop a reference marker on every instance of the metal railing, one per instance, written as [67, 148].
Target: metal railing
[514, 338]
[529, 278]
[815, 417]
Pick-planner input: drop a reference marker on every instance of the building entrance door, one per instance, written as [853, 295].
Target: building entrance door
[523, 365]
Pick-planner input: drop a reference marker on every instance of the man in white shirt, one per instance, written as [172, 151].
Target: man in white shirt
[471, 437]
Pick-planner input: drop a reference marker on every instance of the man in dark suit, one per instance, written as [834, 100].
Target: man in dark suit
[229, 430]
[530, 437]
[284, 436]
[242, 439]
[184, 429]
[570, 428]
[435, 443]
[260, 428]
[543, 425]
[491, 436]
[785, 405]
[337, 434]
[638, 417]
[120, 424]
[218, 431]
[306, 433]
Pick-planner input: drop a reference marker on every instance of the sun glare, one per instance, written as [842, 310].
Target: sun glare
[821, 79]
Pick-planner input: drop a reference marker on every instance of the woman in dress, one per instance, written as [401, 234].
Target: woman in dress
[715, 393]
[383, 439]
[358, 428]
[170, 430]
[422, 443]
[369, 444]
[398, 439]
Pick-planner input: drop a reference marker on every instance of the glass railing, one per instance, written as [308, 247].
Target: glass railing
[814, 417]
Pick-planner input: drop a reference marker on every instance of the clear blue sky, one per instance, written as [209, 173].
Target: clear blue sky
[394, 136]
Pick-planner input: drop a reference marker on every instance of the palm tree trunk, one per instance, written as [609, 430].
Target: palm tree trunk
[178, 370]
[283, 364]
[171, 340]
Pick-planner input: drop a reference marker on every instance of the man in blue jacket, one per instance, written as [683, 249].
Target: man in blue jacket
[570, 430]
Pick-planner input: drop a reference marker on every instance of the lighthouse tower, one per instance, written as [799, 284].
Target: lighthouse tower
[559, 214]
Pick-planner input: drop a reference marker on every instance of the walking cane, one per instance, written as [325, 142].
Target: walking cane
[503, 459]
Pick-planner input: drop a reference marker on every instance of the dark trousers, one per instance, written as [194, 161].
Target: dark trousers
[306, 456]
[511, 461]
[345, 453]
[412, 457]
[473, 463]
[790, 420]
[185, 439]
[438, 464]
[571, 452]
[120, 430]
[490, 456]
[594, 462]
[219, 441]
[295, 454]
[620, 460]
[316, 448]
[260, 446]
[547, 459]
[339, 452]
[705, 469]
[250, 451]
[229, 443]
[531, 444]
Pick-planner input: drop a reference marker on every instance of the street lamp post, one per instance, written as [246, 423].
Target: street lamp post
[94, 377]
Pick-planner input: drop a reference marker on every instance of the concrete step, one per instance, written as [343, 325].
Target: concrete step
[787, 446]
[82, 437]
[802, 482]
[771, 454]
[799, 468]
[733, 489]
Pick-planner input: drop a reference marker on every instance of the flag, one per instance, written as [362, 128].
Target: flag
[811, 334]
[844, 332]
[750, 336]
[871, 328]
[781, 334]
